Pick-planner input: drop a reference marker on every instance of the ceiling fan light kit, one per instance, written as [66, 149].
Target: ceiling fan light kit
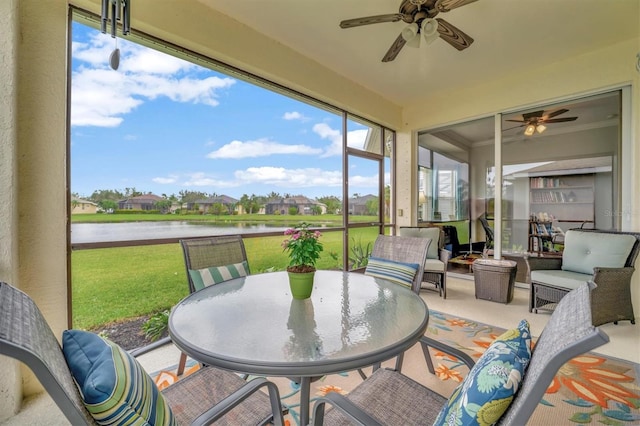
[410, 32]
[419, 15]
[529, 130]
[535, 121]
[430, 30]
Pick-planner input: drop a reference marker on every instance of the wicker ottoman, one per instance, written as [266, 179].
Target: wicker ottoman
[494, 279]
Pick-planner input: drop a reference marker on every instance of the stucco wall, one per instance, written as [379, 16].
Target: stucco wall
[33, 196]
[9, 371]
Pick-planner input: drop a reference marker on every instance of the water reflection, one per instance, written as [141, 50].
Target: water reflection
[103, 232]
[304, 343]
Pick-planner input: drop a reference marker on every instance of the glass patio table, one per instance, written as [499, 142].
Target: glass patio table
[253, 325]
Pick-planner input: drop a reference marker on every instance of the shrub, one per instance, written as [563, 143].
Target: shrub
[156, 325]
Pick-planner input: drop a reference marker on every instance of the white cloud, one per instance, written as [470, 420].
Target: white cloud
[294, 115]
[273, 176]
[102, 96]
[334, 136]
[165, 180]
[201, 179]
[292, 178]
[260, 148]
[363, 181]
[355, 137]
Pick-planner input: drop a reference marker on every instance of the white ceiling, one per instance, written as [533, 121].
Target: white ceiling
[510, 36]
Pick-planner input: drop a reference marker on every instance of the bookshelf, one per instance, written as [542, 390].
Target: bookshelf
[564, 197]
[541, 236]
[562, 201]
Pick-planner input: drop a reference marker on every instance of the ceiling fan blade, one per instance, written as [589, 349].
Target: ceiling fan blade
[356, 22]
[395, 48]
[447, 5]
[453, 35]
[517, 121]
[559, 120]
[535, 114]
[511, 128]
[554, 113]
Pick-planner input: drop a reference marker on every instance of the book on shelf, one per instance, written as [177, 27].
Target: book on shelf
[546, 182]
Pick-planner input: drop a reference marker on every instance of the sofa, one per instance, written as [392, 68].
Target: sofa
[604, 257]
[435, 267]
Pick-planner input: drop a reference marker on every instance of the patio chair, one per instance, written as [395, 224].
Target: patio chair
[603, 256]
[201, 254]
[205, 396]
[388, 397]
[435, 267]
[401, 260]
[407, 250]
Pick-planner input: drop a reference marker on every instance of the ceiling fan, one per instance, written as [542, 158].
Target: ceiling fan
[420, 15]
[535, 121]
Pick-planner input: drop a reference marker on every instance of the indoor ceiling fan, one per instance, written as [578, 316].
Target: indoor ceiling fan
[535, 121]
[420, 17]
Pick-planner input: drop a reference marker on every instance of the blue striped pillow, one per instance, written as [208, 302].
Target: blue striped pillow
[216, 274]
[398, 272]
[114, 387]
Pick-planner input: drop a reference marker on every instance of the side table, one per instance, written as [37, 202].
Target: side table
[494, 279]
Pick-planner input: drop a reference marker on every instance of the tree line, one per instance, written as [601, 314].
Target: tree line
[108, 199]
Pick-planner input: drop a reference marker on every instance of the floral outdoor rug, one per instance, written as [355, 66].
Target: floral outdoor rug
[590, 389]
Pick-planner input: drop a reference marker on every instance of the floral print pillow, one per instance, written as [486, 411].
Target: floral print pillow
[486, 393]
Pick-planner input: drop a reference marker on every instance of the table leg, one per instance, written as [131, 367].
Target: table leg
[305, 396]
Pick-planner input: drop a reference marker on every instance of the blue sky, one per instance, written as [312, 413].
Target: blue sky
[159, 124]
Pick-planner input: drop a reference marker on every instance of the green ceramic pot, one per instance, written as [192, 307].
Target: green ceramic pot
[301, 284]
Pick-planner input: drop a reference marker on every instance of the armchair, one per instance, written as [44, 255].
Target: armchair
[606, 257]
[435, 267]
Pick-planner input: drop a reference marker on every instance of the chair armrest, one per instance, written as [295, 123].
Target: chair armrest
[427, 342]
[223, 407]
[345, 406]
[603, 276]
[537, 263]
[445, 255]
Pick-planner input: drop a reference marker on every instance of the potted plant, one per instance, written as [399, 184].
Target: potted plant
[304, 249]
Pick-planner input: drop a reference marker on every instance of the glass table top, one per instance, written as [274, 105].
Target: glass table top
[253, 325]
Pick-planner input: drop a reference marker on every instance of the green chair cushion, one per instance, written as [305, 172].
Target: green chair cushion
[216, 274]
[430, 232]
[558, 278]
[434, 265]
[583, 251]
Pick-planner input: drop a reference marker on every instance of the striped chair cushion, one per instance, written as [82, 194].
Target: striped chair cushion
[216, 274]
[398, 272]
[115, 388]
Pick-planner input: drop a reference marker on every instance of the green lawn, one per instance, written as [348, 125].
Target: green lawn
[113, 284]
[117, 283]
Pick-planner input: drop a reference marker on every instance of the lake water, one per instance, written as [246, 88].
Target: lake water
[102, 232]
